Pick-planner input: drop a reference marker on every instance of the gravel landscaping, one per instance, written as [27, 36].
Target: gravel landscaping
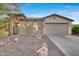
[26, 46]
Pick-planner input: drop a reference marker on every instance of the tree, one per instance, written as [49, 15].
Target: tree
[13, 8]
[4, 26]
[75, 29]
[3, 8]
[6, 8]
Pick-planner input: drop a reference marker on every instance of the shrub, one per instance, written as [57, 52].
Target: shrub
[4, 26]
[29, 28]
[75, 29]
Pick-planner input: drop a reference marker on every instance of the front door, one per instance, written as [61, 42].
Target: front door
[15, 28]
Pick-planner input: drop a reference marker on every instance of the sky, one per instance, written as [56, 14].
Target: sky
[70, 10]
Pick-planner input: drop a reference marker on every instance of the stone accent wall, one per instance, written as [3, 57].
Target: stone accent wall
[13, 21]
[12, 18]
[39, 24]
[16, 19]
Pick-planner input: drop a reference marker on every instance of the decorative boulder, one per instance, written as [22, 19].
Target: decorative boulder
[43, 51]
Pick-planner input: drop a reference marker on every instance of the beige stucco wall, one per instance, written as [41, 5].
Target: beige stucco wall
[58, 20]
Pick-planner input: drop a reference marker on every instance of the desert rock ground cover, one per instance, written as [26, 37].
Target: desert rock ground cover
[26, 46]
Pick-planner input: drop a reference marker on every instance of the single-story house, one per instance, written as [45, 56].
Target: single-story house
[50, 25]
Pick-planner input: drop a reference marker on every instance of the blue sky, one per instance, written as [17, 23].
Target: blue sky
[70, 10]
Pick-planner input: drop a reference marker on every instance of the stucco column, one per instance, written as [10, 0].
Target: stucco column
[69, 28]
[44, 27]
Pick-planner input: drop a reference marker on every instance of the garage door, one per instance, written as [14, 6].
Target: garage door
[56, 29]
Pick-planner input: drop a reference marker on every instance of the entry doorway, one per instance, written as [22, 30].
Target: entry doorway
[16, 28]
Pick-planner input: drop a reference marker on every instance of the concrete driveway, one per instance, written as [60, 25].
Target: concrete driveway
[69, 45]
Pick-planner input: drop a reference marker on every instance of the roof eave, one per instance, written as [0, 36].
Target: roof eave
[59, 16]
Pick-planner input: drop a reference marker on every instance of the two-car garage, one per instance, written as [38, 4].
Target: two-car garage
[56, 28]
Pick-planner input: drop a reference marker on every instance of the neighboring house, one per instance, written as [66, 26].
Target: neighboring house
[50, 25]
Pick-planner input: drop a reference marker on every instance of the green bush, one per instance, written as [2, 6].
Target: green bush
[29, 28]
[75, 29]
[4, 26]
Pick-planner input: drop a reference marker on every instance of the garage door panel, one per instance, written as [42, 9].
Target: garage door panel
[55, 29]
